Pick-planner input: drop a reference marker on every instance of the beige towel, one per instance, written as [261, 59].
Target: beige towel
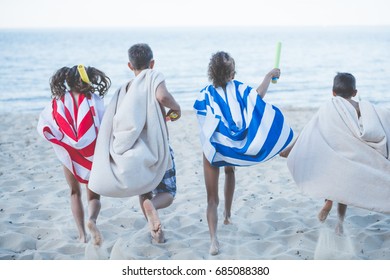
[132, 150]
[345, 158]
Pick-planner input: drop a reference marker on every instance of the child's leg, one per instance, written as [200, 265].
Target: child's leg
[94, 206]
[153, 221]
[325, 210]
[211, 175]
[230, 183]
[162, 200]
[165, 192]
[142, 199]
[76, 203]
[149, 206]
[341, 210]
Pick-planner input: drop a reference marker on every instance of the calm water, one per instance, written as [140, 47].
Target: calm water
[310, 59]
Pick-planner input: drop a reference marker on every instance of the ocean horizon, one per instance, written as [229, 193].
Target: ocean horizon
[310, 58]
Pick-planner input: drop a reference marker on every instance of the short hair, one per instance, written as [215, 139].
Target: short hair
[140, 56]
[344, 85]
[221, 69]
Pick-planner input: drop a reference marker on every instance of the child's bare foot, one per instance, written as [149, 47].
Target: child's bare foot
[154, 222]
[339, 228]
[325, 210]
[323, 214]
[227, 220]
[96, 235]
[158, 235]
[214, 247]
[83, 238]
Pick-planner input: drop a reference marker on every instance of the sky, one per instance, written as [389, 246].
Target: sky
[183, 13]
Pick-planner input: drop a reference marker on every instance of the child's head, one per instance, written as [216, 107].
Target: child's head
[344, 85]
[69, 79]
[221, 69]
[140, 57]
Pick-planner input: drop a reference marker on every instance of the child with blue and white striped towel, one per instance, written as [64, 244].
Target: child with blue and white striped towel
[237, 128]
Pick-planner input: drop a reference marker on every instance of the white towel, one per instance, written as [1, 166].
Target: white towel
[132, 150]
[345, 158]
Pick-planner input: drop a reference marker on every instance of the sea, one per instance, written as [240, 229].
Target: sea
[310, 58]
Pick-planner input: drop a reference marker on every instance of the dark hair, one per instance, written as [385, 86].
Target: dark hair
[221, 69]
[344, 85]
[140, 56]
[71, 77]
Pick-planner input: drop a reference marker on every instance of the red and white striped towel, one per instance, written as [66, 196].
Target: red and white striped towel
[72, 130]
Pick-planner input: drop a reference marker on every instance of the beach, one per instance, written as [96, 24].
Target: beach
[271, 218]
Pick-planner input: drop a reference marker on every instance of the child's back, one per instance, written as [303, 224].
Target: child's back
[342, 153]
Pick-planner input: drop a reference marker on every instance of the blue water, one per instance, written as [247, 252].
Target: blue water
[310, 58]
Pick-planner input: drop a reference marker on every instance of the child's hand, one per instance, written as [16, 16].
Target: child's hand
[173, 115]
[274, 73]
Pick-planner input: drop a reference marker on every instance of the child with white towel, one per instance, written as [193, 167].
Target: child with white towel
[343, 153]
[133, 156]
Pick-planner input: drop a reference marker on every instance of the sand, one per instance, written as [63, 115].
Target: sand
[271, 218]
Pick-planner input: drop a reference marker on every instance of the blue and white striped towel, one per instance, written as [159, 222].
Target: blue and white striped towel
[237, 127]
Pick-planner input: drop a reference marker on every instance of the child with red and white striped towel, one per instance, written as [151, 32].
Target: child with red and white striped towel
[71, 123]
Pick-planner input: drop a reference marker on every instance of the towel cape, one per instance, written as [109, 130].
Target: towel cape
[73, 131]
[132, 150]
[344, 158]
[237, 127]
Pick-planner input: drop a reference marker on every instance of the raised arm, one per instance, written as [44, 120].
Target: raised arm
[167, 100]
[263, 87]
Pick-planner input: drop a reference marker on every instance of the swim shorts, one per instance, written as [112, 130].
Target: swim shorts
[168, 183]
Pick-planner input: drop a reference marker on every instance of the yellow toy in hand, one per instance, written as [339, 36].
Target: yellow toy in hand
[173, 116]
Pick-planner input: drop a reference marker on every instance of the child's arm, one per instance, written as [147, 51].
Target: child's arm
[166, 99]
[263, 87]
[288, 149]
